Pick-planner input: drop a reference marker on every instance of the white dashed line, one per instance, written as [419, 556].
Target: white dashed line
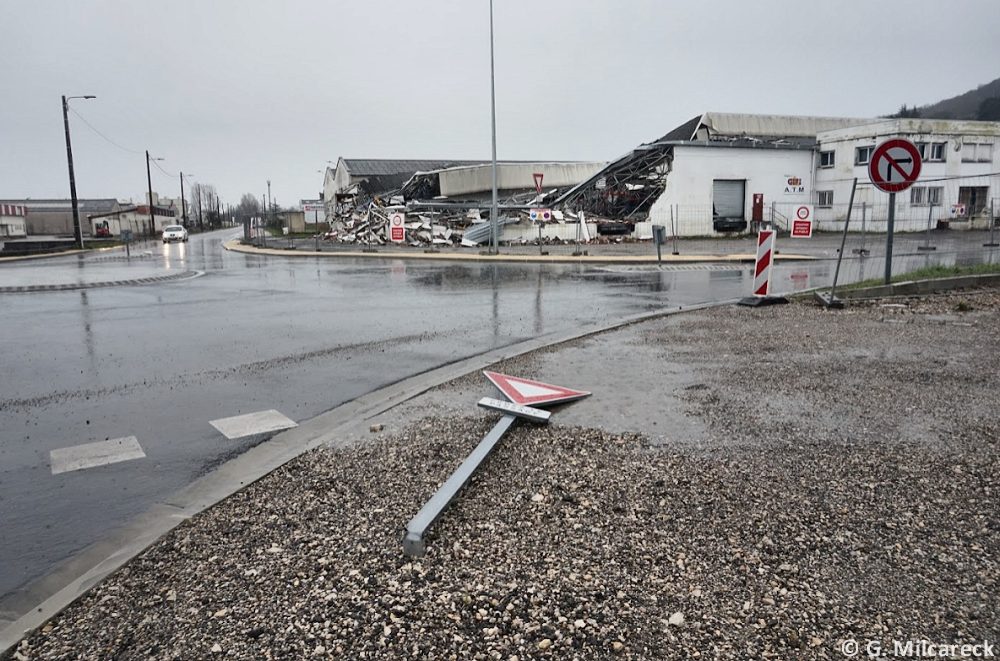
[252, 423]
[90, 455]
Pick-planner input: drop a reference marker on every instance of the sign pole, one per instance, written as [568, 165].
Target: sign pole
[888, 237]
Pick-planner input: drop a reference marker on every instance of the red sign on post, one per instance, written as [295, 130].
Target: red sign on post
[802, 224]
[397, 227]
[538, 182]
[894, 165]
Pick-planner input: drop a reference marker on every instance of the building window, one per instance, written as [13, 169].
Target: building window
[862, 155]
[977, 153]
[932, 152]
[826, 159]
[926, 195]
[824, 198]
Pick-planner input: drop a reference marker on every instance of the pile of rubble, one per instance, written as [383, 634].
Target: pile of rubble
[369, 224]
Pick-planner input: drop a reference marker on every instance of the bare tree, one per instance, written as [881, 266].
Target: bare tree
[203, 200]
[248, 207]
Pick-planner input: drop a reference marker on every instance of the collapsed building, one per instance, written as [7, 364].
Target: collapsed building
[717, 173]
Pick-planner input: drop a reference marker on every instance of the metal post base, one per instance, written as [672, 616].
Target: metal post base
[828, 301]
[758, 301]
[991, 245]
[861, 251]
[926, 248]
[413, 544]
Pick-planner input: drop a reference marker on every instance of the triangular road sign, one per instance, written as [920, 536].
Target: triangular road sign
[533, 393]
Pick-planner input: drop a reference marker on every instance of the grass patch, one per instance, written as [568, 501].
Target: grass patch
[927, 273]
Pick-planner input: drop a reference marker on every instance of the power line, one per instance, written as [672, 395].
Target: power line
[131, 151]
[161, 169]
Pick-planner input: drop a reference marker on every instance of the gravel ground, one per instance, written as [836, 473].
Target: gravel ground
[844, 488]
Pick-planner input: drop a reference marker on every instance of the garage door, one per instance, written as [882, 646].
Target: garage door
[728, 197]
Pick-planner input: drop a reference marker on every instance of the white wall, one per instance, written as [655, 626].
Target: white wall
[765, 170]
[13, 226]
[513, 176]
[950, 174]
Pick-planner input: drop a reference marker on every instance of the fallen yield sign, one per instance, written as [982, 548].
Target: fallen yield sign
[413, 538]
[533, 393]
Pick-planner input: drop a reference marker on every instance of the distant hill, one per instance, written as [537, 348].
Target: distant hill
[982, 103]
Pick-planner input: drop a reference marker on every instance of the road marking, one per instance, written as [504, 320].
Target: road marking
[90, 455]
[252, 423]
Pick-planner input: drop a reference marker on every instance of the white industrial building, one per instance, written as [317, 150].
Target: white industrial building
[958, 184]
[720, 172]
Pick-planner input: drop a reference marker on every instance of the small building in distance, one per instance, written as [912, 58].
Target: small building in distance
[12, 221]
[55, 217]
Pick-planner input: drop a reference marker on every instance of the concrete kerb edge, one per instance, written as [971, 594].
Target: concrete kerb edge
[87, 569]
[917, 287]
[236, 246]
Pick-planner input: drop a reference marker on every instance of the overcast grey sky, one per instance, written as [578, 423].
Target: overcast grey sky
[239, 92]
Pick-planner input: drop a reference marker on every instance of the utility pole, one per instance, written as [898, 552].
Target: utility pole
[184, 214]
[149, 182]
[268, 207]
[77, 230]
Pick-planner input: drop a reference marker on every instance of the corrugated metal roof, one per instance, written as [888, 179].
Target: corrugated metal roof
[96, 206]
[365, 167]
[737, 125]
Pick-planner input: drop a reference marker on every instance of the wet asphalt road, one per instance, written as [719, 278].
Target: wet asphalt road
[159, 361]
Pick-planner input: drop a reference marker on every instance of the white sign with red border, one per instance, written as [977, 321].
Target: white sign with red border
[540, 215]
[533, 393]
[894, 165]
[538, 182]
[397, 227]
[802, 222]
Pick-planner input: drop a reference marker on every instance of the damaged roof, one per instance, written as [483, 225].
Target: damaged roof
[723, 125]
[364, 167]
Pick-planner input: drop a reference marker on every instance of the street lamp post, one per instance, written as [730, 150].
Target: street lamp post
[149, 182]
[77, 230]
[495, 248]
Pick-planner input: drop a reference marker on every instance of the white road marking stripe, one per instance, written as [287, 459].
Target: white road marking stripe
[252, 423]
[90, 455]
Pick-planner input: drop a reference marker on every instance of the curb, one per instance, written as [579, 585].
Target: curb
[918, 287]
[237, 246]
[67, 583]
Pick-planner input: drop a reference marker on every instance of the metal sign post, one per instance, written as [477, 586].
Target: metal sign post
[894, 166]
[521, 392]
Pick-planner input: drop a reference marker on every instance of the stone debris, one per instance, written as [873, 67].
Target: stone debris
[790, 531]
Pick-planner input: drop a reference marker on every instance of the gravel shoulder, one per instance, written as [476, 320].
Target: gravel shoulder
[744, 483]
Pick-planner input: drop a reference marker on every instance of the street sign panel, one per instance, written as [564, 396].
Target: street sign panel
[802, 223]
[533, 393]
[540, 215]
[894, 165]
[538, 182]
[526, 412]
[397, 227]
